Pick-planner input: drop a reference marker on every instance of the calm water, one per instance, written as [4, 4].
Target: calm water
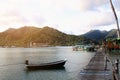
[115, 54]
[12, 59]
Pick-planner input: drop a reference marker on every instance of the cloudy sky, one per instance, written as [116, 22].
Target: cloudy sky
[69, 16]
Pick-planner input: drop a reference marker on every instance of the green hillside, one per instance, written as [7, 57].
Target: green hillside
[23, 36]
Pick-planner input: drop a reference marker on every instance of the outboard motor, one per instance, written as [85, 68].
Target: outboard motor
[26, 62]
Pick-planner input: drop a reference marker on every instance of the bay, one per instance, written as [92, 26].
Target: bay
[12, 65]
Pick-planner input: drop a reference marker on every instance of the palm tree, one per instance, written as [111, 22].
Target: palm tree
[116, 18]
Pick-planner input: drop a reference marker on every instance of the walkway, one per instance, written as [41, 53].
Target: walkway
[95, 70]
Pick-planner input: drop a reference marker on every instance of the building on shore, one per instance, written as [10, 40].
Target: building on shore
[37, 44]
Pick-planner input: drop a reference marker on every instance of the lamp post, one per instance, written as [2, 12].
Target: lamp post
[116, 18]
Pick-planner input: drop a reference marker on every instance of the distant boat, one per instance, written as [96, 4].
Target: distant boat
[78, 48]
[51, 65]
[83, 48]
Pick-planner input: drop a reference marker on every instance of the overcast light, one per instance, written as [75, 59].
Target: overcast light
[69, 16]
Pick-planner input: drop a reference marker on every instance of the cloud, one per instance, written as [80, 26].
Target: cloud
[92, 4]
[71, 16]
[102, 19]
[89, 20]
[116, 4]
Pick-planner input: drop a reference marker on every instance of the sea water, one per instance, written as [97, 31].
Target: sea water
[12, 61]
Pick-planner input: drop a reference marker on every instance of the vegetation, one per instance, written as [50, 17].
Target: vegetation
[99, 36]
[23, 36]
[112, 34]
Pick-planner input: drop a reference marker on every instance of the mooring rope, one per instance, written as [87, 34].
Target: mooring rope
[10, 64]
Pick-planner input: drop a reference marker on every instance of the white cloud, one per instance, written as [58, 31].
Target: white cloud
[72, 16]
[116, 4]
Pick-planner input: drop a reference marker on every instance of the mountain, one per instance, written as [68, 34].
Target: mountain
[23, 36]
[97, 35]
[112, 34]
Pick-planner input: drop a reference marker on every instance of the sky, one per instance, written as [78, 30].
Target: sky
[69, 16]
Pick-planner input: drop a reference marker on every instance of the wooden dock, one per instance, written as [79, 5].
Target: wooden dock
[96, 70]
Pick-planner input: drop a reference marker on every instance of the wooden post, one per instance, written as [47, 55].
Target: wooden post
[106, 63]
[117, 66]
[114, 76]
[26, 62]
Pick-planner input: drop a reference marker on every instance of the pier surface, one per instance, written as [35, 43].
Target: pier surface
[97, 69]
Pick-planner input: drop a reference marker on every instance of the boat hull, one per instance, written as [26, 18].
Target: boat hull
[52, 65]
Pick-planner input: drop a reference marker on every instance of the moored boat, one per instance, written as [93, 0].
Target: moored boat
[84, 48]
[51, 65]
